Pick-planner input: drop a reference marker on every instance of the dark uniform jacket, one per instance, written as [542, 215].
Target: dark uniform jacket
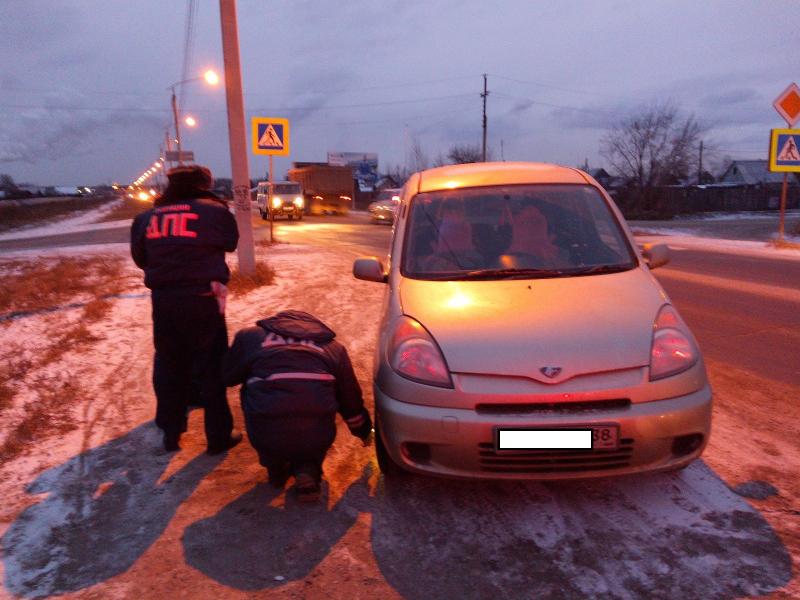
[181, 243]
[295, 377]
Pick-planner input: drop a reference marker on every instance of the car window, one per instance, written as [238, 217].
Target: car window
[500, 231]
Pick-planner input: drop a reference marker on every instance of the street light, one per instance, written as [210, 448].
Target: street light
[210, 78]
[190, 121]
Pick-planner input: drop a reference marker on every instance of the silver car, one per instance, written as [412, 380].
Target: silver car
[524, 335]
[383, 208]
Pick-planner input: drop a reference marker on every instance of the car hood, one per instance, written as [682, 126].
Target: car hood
[585, 324]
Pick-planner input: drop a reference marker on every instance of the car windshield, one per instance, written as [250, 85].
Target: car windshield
[520, 231]
[286, 188]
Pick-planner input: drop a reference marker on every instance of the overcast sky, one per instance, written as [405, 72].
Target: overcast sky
[83, 83]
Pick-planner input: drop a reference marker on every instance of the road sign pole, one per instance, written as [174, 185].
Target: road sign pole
[783, 206]
[788, 106]
[271, 211]
[236, 135]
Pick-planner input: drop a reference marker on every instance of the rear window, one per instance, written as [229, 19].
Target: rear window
[524, 230]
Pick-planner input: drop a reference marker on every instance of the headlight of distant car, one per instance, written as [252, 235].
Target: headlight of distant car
[414, 354]
[298, 202]
[276, 202]
[672, 350]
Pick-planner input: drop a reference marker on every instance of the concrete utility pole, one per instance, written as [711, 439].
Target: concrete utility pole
[177, 127]
[483, 95]
[237, 136]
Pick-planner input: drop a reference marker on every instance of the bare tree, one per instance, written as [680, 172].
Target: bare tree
[7, 183]
[655, 147]
[465, 153]
[417, 158]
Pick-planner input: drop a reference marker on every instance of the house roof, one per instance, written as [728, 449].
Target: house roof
[750, 172]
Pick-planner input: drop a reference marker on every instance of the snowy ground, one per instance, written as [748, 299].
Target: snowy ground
[101, 512]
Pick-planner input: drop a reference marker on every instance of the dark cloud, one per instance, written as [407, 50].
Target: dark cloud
[732, 97]
[337, 71]
[64, 129]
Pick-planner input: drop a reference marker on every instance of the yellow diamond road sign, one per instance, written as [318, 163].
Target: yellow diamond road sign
[270, 136]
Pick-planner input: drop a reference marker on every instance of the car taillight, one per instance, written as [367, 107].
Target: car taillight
[414, 354]
[672, 350]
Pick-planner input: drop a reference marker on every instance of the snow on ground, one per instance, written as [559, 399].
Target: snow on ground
[679, 240]
[738, 216]
[116, 394]
[82, 221]
[100, 510]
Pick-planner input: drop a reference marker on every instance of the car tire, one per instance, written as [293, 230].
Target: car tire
[264, 216]
[386, 464]
[291, 217]
[300, 217]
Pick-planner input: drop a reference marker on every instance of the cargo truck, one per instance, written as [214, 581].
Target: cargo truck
[327, 189]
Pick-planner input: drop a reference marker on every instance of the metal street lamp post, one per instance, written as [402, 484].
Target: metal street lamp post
[211, 78]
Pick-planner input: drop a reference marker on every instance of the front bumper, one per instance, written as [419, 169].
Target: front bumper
[459, 442]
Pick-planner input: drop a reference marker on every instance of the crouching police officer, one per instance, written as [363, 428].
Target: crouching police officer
[181, 244]
[295, 377]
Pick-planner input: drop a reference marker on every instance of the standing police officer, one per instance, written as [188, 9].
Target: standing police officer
[180, 244]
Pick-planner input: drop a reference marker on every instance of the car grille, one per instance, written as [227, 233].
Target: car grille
[561, 407]
[554, 461]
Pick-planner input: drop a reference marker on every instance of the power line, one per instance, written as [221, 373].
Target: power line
[253, 94]
[208, 110]
[188, 43]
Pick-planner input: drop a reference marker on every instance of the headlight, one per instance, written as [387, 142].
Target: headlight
[673, 350]
[298, 202]
[276, 202]
[414, 354]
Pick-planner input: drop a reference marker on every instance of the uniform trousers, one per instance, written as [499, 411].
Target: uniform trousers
[190, 339]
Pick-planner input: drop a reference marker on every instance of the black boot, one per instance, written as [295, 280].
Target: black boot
[233, 440]
[171, 441]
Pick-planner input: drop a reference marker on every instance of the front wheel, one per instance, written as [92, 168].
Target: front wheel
[385, 462]
[264, 216]
[291, 217]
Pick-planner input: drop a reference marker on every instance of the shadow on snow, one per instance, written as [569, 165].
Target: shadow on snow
[663, 535]
[103, 509]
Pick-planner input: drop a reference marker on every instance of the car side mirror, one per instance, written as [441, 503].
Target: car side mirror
[369, 269]
[656, 255]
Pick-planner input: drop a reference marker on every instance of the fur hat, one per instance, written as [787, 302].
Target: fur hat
[190, 177]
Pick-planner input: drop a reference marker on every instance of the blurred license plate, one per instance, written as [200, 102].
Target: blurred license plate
[589, 437]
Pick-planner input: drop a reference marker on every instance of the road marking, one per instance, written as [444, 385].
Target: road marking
[737, 285]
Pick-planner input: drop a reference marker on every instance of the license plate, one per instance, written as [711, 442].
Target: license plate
[577, 437]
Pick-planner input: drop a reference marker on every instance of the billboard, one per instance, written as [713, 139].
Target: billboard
[365, 167]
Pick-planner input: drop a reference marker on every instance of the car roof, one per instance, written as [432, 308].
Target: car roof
[497, 173]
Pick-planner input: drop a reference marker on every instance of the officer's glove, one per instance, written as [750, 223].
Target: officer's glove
[360, 425]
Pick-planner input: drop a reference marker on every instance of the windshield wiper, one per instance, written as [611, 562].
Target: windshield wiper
[511, 273]
[600, 269]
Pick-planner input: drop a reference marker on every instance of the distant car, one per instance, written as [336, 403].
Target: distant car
[383, 208]
[281, 198]
[524, 336]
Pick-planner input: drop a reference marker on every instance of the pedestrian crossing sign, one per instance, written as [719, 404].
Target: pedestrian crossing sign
[784, 150]
[270, 136]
